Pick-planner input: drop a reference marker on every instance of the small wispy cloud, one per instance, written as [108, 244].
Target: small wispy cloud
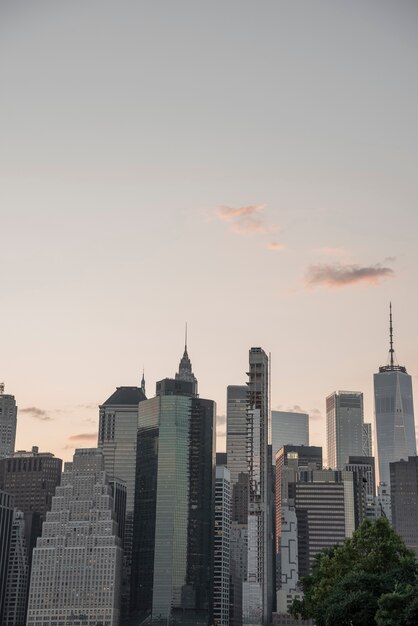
[274, 245]
[37, 413]
[246, 220]
[88, 407]
[83, 437]
[338, 275]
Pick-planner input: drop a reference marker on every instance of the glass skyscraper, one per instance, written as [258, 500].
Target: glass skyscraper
[394, 413]
[8, 420]
[344, 427]
[288, 428]
[175, 473]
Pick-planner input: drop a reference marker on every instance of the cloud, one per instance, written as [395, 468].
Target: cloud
[274, 245]
[339, 275]
[37, 413]
[83, 437]
[88, 407]
[245, 220]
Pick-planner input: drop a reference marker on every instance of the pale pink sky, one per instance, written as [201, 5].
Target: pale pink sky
[247, 167]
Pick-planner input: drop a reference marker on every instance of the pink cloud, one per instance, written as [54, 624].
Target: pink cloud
[83, 437]
[274, 245]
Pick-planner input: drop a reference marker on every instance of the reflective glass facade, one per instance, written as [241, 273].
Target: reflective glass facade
[394, 415]
[172, 563]
[344, 427]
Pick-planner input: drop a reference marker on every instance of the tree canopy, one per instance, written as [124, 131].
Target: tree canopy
[370, 579]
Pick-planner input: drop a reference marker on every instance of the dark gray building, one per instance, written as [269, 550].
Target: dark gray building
[6, 521]
[174, 504]
[404, 499]
[8, 421]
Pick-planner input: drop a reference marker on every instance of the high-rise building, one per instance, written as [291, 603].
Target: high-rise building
[344, 427]
[6, 521]
[236, 430]
[118, 427]
[394, 413]
[404, 497]
[257, 591]
[222, 546]
[173, 528]
[76, 566]
[367, 439]
[8, 421]
[288, 428]
[295, 457]
[364, 465]
[32, 478]
[17, 581]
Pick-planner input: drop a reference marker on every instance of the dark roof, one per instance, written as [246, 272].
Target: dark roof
[125, 396]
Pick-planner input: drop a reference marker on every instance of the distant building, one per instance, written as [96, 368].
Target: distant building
[344, 427]
[77, 563]
[404, 498]
[221, 564]
[6, 521]
[17, 581]
[236, 430]
[394, 413]
[172, 557]
[8, 421]
[288, 428]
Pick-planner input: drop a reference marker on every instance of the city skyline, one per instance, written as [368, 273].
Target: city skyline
[279, 161]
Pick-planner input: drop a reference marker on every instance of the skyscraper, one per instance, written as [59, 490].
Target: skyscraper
[118, 427]
[344, 427]
[404, 497]
[172, 559]
[394, 412]
[367, 439]
[6, 521]
[236, 430]
[221, 559]
[257, 591]
[8, 420]
[17, 581]
[76, 568]
[288, 428]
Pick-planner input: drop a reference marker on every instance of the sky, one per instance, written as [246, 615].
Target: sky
[247, 167]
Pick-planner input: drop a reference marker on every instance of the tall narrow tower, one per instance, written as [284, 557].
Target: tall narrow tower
[394, 412]
[257, 583]
[8, 419]
[185, 368]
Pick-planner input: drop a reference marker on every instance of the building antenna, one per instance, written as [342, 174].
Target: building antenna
[185, 338]
[391, 350]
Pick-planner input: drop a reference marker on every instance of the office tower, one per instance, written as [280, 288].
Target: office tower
[16, 592]
[257, 594]
[404, 498]
[174, 505]
[367, 440]
[8, 420]
[236, 430]
[315, 495]
[76, 567]
[118, 427]
[344, 427]
[364, 466]
[6, 521]
[32, 478]
[222, 546]
[296, 457]
[288, 427]
[394, 413]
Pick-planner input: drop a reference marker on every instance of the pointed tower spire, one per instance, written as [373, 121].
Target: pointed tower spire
[185, 367]
[143, 382]
[391, 350]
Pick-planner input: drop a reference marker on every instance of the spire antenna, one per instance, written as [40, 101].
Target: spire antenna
[391, 350]
[185, 338]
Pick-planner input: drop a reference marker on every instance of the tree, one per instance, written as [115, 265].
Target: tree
[370, 579]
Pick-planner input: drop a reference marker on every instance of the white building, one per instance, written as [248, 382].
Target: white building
[8, 420]
[76, 566]
[288, 428]
[221, 564]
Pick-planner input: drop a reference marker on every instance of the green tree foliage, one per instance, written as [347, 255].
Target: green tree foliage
[370, 579]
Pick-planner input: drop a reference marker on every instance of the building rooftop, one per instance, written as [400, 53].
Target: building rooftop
[125, 396]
